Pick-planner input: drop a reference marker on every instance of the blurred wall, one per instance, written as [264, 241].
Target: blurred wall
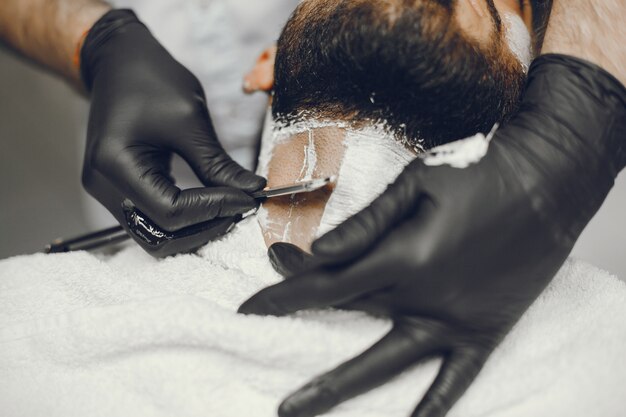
[40, 147]
[42, 123]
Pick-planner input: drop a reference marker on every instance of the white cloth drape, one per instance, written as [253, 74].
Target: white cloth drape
[130, 335]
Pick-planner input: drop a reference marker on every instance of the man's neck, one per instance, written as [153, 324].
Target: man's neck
[297, 154]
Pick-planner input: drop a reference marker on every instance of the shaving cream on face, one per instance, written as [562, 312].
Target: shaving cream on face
[265, 156]
[461, 153]
[310, 159]
[275, 133]
[369, 160]
[373, 158]
[299, 151]
[267, 145]
[518, 39]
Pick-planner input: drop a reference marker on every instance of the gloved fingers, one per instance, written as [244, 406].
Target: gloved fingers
[360, 232]
[457, 373]
[315, 289]
[211, 163]
[198, 205]
[377, 304]
[322, 287]
[222, 170]
[289, 260]
[394, 353]
[325, 286]
[153, 192]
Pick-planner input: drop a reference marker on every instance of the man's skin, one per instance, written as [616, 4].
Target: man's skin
[591, 30]
[454, 257]
[49, 31]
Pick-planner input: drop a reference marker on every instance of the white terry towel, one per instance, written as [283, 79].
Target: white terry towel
[132, 336]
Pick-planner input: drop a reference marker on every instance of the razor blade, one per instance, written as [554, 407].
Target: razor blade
[295, 188]
[159, 242]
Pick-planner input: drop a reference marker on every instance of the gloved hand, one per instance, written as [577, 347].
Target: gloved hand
[144, 107]
[455, 256]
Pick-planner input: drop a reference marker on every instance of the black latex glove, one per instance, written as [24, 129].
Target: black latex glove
[145, 106]
[455, 256]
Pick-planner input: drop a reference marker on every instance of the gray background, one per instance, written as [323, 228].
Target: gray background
[42, 124]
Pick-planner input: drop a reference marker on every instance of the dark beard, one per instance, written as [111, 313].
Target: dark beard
[418, 73]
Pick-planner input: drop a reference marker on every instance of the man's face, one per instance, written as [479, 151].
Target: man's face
[481, 20]
[321, 152]
[436, 70]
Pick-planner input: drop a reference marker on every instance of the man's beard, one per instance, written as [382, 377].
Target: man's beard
[420, 74]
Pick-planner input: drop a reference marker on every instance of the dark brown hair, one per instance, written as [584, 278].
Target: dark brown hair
[402, 61]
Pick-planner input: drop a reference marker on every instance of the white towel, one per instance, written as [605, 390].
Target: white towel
[129, 335]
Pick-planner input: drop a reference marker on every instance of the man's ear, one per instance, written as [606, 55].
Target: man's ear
[261, 77]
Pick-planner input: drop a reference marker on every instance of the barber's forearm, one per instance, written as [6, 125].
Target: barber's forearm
[589, 29]
[48, 31]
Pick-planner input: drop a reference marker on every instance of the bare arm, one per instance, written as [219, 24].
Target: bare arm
[48, 31]
[591, 30]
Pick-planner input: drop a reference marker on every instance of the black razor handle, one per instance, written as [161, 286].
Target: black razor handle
[161, 243]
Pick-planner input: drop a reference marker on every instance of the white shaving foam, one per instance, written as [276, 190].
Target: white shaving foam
[275, 133]
[461, 153]
[287, 233]
[518, 39]
[373, 159]
[310, 160]
[267, 145]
